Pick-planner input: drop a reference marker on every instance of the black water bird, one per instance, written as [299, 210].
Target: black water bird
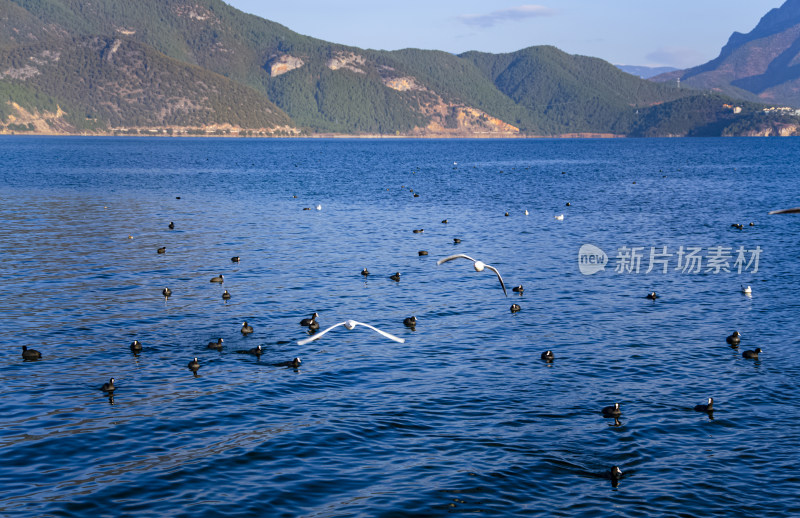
[166, 292]
[456, 240]
[708, 407]
[215, 345]
[109, 386]
[307, 321]
[136, 346]
[752, 355]
[444, 221]
[611, 411]
[226, 295]
[395, 277]
[518, 289]
[652, 296]
[365, 272]
[410, 321]
[246, 330]
[171, 225]
[236, 259]
[293, 364]
[548, 356]
[615, 474]
[515, 308]
[418, 230]
[219, 279]
[423, 252]
[734, 339]
[194, 365]
[255, 351]
[30, 354]
[162, 250]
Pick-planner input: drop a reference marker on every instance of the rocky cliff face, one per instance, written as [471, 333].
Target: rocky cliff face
[762, 65]
[43, 123]
[279, 65]
[348, 61]
[459, 120]
[767, 130]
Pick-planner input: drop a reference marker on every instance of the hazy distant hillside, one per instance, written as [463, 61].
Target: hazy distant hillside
[761, 65]
[645, 72]
[105, 64]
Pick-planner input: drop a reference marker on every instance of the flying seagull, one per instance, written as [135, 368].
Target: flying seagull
[478, 265]
[786, 211]
[351, 324]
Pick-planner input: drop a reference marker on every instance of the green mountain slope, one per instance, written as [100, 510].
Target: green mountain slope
[244, 48]
[192, 62]
[105, 83]
[459, 80]
[710, 115]
[571, 93]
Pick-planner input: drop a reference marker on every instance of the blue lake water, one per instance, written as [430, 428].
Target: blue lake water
[463, 417]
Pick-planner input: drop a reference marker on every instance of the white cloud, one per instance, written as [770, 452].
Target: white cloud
[680, 57]
[503, 15]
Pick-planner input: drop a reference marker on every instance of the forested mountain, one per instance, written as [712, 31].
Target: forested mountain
[571, 94]
[105, 83]
[203, 66]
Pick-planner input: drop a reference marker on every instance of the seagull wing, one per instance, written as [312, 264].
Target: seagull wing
[498, 276]
[384, 333]
[786, 211]
[317, 335]
[457, 256]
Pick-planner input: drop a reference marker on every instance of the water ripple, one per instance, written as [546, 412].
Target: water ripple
[463, 417]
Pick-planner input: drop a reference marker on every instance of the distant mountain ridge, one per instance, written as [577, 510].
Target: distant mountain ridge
[762, 65]
[645, 72]
[203, 67]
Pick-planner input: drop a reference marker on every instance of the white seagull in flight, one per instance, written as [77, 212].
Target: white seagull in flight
[478, 265]
[351, 324]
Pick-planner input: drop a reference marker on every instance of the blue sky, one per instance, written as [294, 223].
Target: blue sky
[678, 33]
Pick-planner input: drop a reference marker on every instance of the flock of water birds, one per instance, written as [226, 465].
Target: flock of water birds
[613, 411]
